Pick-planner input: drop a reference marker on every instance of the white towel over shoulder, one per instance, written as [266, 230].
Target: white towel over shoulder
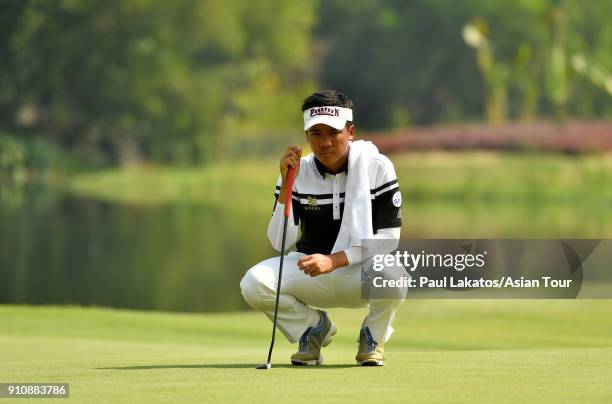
[357, 217]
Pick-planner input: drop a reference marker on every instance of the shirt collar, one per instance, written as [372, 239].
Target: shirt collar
[322, 170]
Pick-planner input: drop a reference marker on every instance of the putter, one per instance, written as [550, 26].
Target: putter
[288, 189]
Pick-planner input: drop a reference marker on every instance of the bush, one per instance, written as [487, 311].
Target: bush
[25, 159]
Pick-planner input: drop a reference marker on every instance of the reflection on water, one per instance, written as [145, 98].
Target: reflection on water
[61, 249]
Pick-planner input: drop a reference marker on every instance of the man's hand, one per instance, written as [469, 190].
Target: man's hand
[291, 158]
[318, 264]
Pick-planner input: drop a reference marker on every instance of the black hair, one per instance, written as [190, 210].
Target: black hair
[330, 98]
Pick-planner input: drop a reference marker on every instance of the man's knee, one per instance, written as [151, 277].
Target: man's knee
[256, 288]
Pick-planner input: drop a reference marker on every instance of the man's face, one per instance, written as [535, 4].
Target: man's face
[330, 145]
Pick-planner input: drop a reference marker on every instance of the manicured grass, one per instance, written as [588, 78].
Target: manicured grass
[443, 350]
[229, 183]
[524, 178]
[455, 195]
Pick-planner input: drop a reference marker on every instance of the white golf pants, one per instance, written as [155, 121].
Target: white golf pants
[300, 293]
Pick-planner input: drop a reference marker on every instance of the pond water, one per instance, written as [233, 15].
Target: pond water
[57, 248]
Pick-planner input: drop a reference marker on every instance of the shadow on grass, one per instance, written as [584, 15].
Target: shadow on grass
[224, 366]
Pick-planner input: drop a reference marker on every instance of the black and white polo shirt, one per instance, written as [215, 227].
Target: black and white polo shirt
[318, 202]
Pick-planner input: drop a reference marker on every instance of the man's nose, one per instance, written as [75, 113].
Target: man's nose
[326, 141]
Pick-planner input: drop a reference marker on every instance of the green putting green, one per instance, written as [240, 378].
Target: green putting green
[442, 350]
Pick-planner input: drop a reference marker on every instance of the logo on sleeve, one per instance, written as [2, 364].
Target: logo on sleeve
[397, 199]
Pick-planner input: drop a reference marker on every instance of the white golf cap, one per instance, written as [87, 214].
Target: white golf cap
[335, 117]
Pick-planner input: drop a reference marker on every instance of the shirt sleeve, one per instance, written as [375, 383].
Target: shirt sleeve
[386, 198]
[275, 227]
[354, 255]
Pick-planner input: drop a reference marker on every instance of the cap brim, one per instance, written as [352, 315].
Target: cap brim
[333, 121]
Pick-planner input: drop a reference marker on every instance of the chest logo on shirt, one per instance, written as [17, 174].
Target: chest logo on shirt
[312, 204]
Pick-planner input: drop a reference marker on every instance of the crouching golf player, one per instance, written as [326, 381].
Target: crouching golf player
[344, 192]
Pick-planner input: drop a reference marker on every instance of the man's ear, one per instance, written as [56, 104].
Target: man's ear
[351, 131]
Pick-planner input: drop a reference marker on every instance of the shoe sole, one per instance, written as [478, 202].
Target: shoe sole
[371, 363]
[314, 362]
[326, 341]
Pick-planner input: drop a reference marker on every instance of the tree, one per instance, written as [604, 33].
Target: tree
[409, 56]
[147, 78]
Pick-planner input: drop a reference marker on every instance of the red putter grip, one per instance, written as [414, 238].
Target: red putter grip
[289, 189]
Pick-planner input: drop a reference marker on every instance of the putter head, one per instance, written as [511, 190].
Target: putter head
[266, 366]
